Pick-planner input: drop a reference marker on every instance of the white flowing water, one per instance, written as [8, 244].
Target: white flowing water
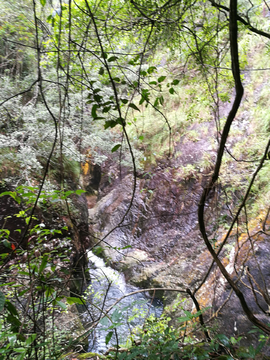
[107, 286]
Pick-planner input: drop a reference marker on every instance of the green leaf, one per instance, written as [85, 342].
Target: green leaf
[112, 58]
[223, 339]
[23, 292]
[252, 351]
[21, 356]
[13, 320]
[259, 347]
[145, 96]
[106, 109]
[28, 219]
[43, 263]
[101, 71]
[5, 231]
[74, 300]
[124, 101]
[30, 339]
[175, 82]
[161, 78]
[9, 283]
[79, 192]
[97, 250]
[116, 315]
[99, 118]
[120, 121]
[12, 339]
[21, 350]
[98, 98]
[94, 111]
[161, 100]
[108, 337]
[13, 194]
[115, 148]
[43, 2]
[133, 106]
[171, 90]
[6, 243]
[104, 321]
[110, 124]
[151, 69]
[183, 319]
[2, 301]
[61, 304]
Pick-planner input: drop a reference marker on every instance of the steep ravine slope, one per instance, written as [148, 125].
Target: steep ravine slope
[161, 228]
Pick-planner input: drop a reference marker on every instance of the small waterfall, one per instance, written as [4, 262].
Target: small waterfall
[107, 286]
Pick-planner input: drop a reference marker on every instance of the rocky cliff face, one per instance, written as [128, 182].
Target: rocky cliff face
[161, 227]
[165, 248]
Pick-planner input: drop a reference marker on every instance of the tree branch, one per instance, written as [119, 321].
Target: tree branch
[243, 21]
[238, 97]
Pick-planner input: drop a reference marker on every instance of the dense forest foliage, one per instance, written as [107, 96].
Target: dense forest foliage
[100, 89]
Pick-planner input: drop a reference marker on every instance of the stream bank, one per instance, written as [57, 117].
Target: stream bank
[106, 287]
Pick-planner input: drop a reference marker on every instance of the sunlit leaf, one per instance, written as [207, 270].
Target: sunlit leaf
[151, 69]
[79, 192]
[74, 300]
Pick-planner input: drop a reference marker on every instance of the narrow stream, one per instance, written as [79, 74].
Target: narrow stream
[106, 287]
